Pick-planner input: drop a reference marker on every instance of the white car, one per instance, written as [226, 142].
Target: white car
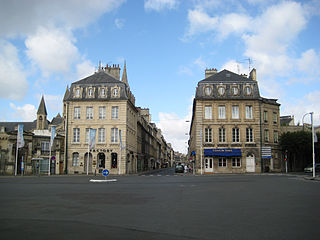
[309, 168]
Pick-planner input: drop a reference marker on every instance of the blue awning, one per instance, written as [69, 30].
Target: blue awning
[223, 152]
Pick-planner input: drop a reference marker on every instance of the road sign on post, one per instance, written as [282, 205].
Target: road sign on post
[105, 172]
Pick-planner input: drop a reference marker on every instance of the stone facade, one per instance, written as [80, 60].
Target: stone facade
[232, 125]
[105, 103]
[35, 153]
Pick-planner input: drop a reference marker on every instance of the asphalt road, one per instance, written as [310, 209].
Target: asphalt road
[160, 206]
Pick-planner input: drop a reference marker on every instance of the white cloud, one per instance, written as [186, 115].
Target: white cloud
[119, 23]
[159, 5]
[199, 22]
[174, 129]
[309, 63]
[235, 67]
[233, 23]
[84, 69]
[40, 24]
[306, 104]
[12, 77]
[23, 17]
[52, 50]
[27, 112]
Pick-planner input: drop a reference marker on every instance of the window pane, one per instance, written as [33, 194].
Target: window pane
[275, 117]
[76, 135]
[101, 135]
[76, 114]
[249, 135]
[235, 135]
[235, 112]
[208, 112]
[75, 159]
[249, 112]
[115, 112]
[208, 135]
[87, 135]
[222, 134]
[222, 112]
[102, 112]
[89, 112]
[114, 135]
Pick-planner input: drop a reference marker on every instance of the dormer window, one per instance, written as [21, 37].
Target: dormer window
[221, 90]
[103, 92]
[248, 90]
[90, 92]
[78, 92]
[208, 91]
[115, 92]
[235, 90]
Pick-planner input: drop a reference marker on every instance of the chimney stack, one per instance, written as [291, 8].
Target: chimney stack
[113, 70]
[253, 74]
[210, 72]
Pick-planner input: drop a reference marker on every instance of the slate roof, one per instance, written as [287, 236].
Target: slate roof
[27, 126]
[226, 76]
[99, 79]
[227, 79]
[57, 120]
[42, 107]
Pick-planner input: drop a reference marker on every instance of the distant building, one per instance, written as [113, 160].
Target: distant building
[36, 150]
[233, 128]
[126, 141]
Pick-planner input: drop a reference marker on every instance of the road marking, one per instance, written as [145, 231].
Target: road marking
[109, 180]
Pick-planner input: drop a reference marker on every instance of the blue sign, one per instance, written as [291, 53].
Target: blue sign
[105, 172]
[223, 152]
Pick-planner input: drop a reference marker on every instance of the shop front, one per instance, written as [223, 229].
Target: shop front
[222, 160]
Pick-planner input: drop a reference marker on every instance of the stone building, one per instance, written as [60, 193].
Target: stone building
[125, 139]
[233, 129]
[36, 150]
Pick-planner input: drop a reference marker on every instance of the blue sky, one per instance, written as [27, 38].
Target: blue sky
[167, 44]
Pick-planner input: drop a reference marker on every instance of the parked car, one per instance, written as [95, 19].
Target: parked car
[179, 168]
[309, 168]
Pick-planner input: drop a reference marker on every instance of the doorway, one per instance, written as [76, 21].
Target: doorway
[101, 161]
[208, 165]
[250, 163]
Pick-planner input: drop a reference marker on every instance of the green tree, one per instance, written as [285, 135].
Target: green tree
[298, 146]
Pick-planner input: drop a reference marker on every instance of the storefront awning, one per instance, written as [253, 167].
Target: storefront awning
[224, 152]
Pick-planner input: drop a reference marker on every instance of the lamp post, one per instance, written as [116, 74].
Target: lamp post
[312, 129]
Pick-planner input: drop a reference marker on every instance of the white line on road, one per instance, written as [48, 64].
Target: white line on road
[109, 180]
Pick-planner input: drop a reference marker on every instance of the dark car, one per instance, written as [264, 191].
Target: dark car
[179, 168]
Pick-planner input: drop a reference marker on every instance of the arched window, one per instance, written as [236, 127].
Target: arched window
[101, 160]
[75, 159]
[114, 160]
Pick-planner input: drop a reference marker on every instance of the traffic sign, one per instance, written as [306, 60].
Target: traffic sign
[105, 172]
[53, 158]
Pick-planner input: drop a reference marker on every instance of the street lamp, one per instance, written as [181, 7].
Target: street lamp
[312, 129]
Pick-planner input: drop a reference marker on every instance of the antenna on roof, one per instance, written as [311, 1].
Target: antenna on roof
[249, 63]
[238, 67]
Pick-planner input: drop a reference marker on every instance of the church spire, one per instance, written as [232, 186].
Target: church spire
[42, 116]
[42, 107]
[124, 74]
[66, 94]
